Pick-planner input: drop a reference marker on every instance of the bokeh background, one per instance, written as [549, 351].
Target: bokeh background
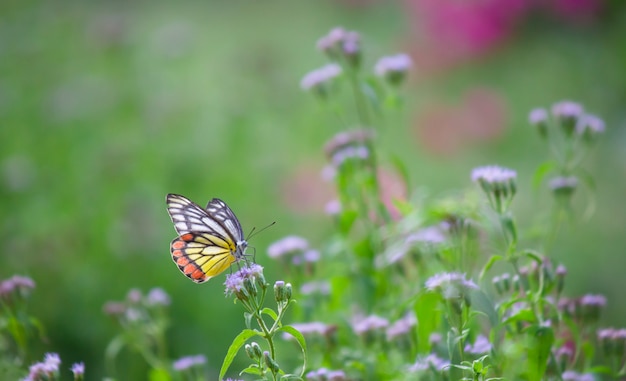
[105, 107]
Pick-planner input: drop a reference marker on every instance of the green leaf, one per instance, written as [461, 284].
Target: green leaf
[270, 312]
[542, 171]
[482, 303]
[252, 369]
[300, 339]
[159, 374]
[490, 263]
[428, 315]
[539, 342]
[237, 343]
[534, 255]
[288, 377]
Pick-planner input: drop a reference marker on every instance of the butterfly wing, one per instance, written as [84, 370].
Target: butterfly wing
[208, 239]
[201, 256]
[221, 212]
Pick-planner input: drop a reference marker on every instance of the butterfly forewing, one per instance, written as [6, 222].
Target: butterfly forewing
[209, 240]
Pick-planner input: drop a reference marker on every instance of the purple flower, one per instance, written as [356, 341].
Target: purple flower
[493, 174]
[187, 362]
[430, 235]
[349, 153]
[311, 329]
[567, 110]
[356, 137]
[589, 126]
[401, 327]
[369, 323]
[393, 68]
[236, 283]
[481, 345]
[561, 183]
[287, 246]
[326, 375]
[571, 375]
[319, 79]
[158, 297]
[315, 287]
[538, 116]
[432, 361]
[78, 369]
[51, 362]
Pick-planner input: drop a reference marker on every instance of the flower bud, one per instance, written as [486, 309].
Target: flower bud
[257, 353]
[270, 363]
[279, 291]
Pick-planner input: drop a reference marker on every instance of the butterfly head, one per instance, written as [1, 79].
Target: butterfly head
[241, 249]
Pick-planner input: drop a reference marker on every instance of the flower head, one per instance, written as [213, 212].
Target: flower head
[369, 323]
[158, 297]
[481, 346]
[287, 246]
[538, 118]
[401, 327]
[393, 68]
[589, 127]
[498, 183]
[432, 361]
[567, 114]
[452, 287]
[319, 80]
[188, 362]
[78, 369]
[243, 283]
[341, 43]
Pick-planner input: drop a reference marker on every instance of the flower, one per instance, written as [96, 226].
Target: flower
[429, 235]
[341, 43]
[493, 174]
[51, 362]
[187, 362]
[242, 283]
[432, 361]
[563, 184]
[589, 127]
[78, 369]
[453, 287]
[481, 345]
[158, 297]
[319, 80]
[315, 287]
[538, 118]
[326, 375]
[393, 68]
[287, 246]
[571, 375]
[359, 137]
[567, 114]
[401, 327]
[311, 329]
[16, 285]
[369, 323]
[498, 183]
[443, 281]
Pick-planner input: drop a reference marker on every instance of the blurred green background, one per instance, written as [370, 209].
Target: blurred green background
[105, 107]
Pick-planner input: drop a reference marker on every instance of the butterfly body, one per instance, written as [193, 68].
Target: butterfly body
[210, 239]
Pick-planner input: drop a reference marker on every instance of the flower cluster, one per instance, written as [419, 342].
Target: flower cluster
[48, 369]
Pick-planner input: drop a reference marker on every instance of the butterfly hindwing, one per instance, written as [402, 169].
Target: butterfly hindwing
[209, 240]
[200, 256]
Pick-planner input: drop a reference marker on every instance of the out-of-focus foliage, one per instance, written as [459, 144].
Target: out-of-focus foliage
[105, 107]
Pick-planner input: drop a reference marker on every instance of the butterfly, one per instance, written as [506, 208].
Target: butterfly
[209, 240]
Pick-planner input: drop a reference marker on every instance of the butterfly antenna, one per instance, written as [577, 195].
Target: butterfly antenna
[253, 232]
